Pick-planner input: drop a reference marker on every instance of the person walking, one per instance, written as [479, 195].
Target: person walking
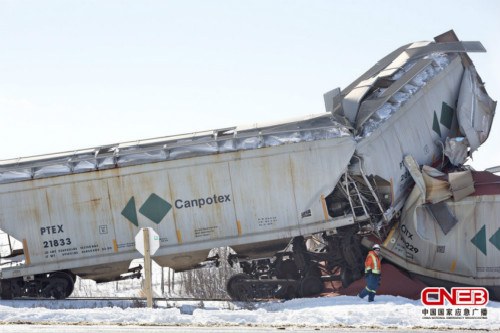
[373, 271]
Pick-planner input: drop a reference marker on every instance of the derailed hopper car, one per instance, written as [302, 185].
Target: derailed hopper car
[449, 231]
[425, 100]
[251, 188]
[337, 175]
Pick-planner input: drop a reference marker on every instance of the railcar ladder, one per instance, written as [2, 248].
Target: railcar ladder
[353, 197]
[372, 191]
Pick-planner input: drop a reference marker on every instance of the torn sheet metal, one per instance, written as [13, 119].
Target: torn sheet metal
[432, 190]
[352, 101]
[393, 115]
[436, 185]
[462, 184]
[381, 105]
[402, 120]
[443, 216]
[370, 106]
[475, 109]
[433, 172]
[457, 150]
[446, 47]
[418, 127]
[430, 243]
[436, 190]
[333, 101]
[408, 68]
[415, 173]
[494, 169]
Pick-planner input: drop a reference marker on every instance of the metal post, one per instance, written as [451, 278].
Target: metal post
[10, 244]
[162, 281]
[168, 280]
[173, 278]
[147, 267]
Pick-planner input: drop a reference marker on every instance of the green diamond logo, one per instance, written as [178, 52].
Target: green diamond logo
[155, 208]
[480, 240]
[446, 115]
[435, 125]
[130, 213]
[495, 239]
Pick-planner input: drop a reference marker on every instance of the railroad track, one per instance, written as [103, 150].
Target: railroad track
[154, 299]
[186, 305]
[132, 299]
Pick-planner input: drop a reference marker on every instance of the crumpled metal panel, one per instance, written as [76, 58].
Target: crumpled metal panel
[467, 250]
[456, 149]
[407, 82]
[475, 109]
[413, 130]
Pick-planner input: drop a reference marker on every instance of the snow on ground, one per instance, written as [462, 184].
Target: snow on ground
[386, 311]
[350, 311]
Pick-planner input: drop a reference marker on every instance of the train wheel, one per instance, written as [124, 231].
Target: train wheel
[60, 286]
[311, 285]
[286, 292]
[346, 277]
[237, 289]
[6, 292]
[287, 269]
[314, 271]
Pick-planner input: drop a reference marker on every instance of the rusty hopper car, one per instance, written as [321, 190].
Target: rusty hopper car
[250, 188]
[299, 195]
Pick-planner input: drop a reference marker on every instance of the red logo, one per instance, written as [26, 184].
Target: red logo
[436, 296]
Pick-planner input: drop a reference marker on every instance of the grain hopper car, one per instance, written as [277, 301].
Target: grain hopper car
[294, 199]
[250, 188]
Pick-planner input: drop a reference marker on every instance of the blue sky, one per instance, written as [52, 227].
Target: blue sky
[79, 74]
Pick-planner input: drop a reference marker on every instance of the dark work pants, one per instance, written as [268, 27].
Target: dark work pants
[372, 282]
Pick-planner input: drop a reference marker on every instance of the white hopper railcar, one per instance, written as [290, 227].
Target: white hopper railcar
[250, 188]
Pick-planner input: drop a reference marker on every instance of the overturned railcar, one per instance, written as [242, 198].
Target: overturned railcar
[426, 103]
[449, 231]
[299, 195]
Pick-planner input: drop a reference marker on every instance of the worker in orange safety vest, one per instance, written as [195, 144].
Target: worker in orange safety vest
[373, 271]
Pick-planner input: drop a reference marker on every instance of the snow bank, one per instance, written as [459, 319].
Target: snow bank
[386, 311]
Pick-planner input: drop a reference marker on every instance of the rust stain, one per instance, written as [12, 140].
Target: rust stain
[453, 266]
[49, 208]
[112, 217]
[95, 201]
[292, 167]
[239, 227]
[26, 252]
[179, 238]
[325, 210]
[170, 189]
